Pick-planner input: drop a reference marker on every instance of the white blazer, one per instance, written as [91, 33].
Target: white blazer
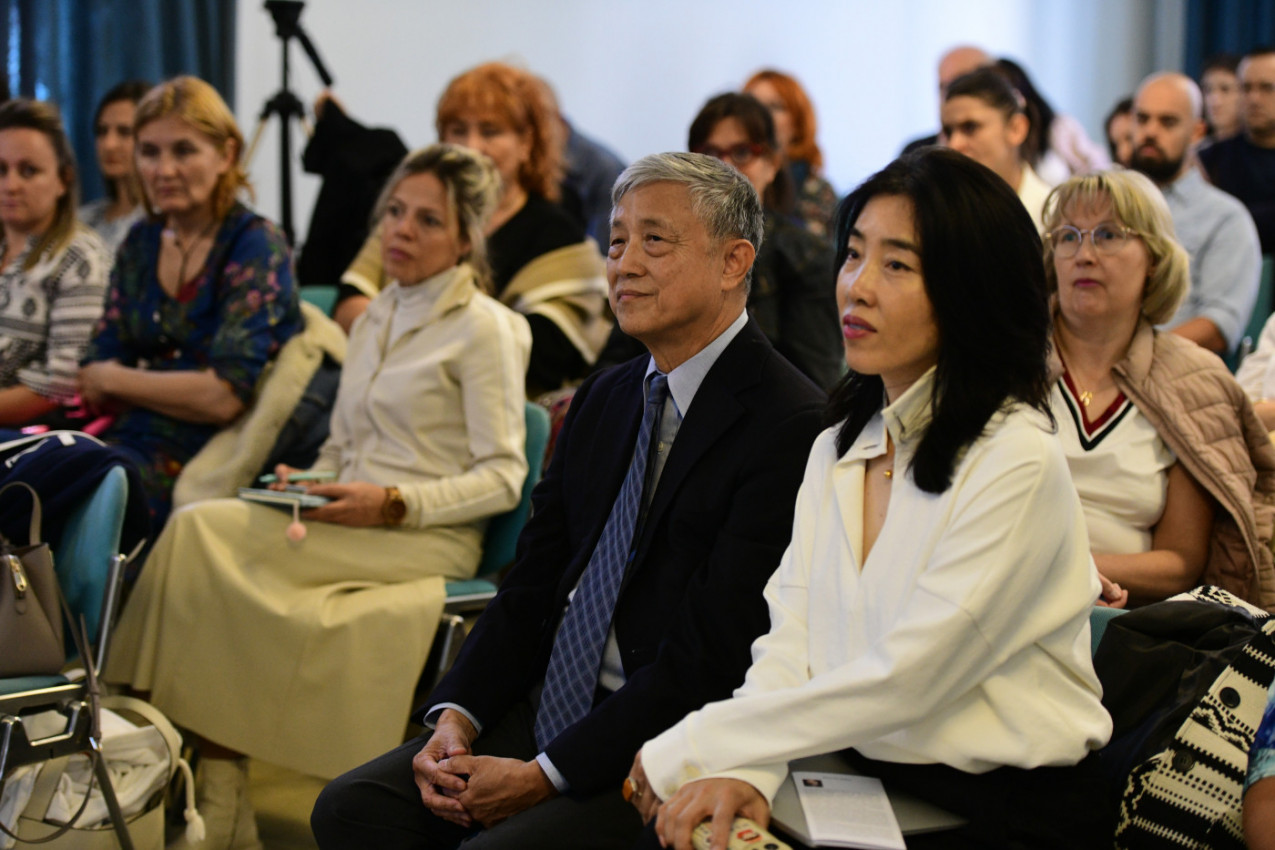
[438, 412]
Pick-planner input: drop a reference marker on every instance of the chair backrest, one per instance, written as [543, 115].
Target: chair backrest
[83, 556]
[1099, 617]
[502, 532]
[322, 296]
[1257, 319]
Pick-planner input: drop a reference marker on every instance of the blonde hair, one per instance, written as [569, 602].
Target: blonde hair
[473, 190]
[197, 103]
[1138, 205]
[43, 117]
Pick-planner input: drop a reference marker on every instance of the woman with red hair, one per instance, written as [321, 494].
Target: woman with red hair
[795, 127]
[541, 264]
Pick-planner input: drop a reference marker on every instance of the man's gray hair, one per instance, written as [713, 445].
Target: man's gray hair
[721, 197]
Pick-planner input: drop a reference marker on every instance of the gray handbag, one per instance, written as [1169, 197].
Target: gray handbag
[30, 613]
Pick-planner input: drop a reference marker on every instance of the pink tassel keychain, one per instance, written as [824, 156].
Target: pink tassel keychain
[296, 530]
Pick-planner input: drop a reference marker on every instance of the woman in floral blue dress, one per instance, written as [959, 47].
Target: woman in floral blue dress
[201, 297]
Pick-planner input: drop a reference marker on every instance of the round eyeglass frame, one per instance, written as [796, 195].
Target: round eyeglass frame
[1107, 248]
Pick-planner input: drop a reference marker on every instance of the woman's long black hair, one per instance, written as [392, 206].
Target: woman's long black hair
[981, 262]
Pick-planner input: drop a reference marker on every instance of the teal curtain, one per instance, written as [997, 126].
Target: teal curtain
[72, 51]
[1226, 26]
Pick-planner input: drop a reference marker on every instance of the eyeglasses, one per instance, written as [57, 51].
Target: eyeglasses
[737, 155]
[1107, 238]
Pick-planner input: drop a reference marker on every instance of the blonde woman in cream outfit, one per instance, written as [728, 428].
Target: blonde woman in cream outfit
[305, 652]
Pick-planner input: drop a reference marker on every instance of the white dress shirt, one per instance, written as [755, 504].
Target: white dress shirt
[963, 639]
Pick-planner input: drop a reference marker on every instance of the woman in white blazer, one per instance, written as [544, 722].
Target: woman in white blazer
[304, 649]
[930, 617]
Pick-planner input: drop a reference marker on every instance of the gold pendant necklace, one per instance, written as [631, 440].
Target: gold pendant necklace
[1085, 395]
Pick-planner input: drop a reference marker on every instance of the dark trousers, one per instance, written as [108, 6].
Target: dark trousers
[379, 806]
[1059, 808]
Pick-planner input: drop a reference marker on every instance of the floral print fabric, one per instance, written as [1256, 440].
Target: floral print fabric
[232, 318]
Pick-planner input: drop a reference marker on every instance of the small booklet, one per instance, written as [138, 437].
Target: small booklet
[847, 811]
[283, 498]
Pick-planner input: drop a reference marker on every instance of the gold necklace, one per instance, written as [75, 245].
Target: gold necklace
[1085, 395]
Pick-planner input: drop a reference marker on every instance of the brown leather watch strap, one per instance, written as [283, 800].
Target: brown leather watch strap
[393, 509]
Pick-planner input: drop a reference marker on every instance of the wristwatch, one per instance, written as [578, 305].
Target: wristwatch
[393, 509]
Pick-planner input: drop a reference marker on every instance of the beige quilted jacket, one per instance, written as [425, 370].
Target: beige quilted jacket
[1202, 414]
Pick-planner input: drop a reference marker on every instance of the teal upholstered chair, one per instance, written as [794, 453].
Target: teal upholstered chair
[90, 569]
[499, 543]
[1099, 618]
[1257, 319]
[322, 296]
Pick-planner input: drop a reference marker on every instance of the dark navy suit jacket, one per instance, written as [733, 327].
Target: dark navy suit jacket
[691, 604]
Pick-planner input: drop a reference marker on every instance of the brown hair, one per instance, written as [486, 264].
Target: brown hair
[129, 91]
[524, 101]
[45, 119]
[197, 103]
[803, 147]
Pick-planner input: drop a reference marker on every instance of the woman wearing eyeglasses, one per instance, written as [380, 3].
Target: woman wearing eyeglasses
[1174, 470]
[793, 294]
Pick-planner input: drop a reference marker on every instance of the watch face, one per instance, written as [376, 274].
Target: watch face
[395, 508]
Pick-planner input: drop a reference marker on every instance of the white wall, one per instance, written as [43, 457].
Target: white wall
[633, 73]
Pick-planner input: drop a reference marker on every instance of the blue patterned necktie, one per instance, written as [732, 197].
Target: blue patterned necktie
[572, 677]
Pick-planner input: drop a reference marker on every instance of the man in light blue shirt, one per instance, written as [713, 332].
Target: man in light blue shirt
[637, 589]
[1215, 229]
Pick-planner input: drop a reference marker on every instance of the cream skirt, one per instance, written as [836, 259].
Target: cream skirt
[303, 654]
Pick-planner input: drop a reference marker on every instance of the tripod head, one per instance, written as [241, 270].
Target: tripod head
[287, 25]
[287, 16]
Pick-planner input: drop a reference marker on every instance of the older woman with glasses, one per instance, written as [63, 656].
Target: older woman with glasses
[1174, 470]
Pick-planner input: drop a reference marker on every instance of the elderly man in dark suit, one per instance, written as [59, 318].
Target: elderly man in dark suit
[637, 588]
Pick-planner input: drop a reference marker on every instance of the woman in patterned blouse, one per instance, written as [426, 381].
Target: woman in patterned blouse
[201, 295]
[52, 269]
